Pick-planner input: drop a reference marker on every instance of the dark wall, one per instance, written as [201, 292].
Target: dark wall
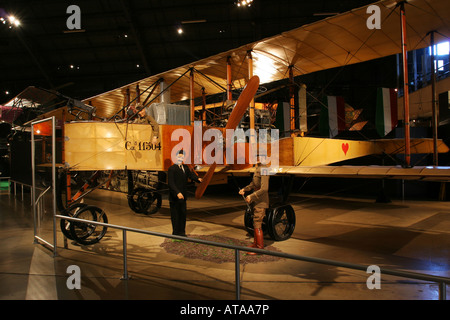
[20, 156]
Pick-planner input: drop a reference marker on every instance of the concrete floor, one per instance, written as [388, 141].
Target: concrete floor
[401, 235]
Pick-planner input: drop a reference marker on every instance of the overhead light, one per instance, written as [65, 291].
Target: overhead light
[243, 3]
[14, 21]
[180, 30]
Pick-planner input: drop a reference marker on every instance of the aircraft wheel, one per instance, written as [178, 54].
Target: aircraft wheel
[281, 222]
[65, 224]
[150, 202]
[84, 232]
[133, 200]
[144, 201]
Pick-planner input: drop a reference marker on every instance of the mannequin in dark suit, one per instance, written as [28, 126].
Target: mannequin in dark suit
[178, 175]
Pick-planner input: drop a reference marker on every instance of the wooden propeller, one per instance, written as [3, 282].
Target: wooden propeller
[235, 117]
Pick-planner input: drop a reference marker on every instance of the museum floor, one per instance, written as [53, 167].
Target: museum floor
[401, 235]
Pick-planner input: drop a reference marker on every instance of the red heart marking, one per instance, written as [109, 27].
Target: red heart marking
[345, 148]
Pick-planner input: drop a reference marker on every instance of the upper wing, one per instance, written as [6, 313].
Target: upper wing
[333, 42]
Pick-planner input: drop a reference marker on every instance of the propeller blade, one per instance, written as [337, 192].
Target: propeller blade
[243, 102]
[235, 117]
[205, 181]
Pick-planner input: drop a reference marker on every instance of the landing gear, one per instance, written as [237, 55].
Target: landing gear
[71, 211]
[68, 205]
[279, 222]
[72, 187]
[88, 233]
[142, 191]
[142, 200]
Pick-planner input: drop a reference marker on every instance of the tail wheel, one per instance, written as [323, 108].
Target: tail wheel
[144, 201]
[84, 232]
[281, 222]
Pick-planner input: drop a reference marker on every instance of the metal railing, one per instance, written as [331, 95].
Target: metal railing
[13, 185]
[9, 184]
[441, 281]
[35, 201]
[38, 212]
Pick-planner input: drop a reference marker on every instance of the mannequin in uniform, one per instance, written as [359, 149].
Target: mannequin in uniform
[260, 199]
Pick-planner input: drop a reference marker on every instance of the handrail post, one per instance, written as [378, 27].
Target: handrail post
[54, 184]
[237, 274]
[442, 291]
[125, 267]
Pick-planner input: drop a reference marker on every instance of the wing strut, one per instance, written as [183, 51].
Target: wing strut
[405, 87]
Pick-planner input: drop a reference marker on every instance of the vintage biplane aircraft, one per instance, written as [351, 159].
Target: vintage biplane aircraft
[105, 144]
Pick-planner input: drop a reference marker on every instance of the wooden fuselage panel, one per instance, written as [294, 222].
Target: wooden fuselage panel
[116, 146]
[110, 146]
